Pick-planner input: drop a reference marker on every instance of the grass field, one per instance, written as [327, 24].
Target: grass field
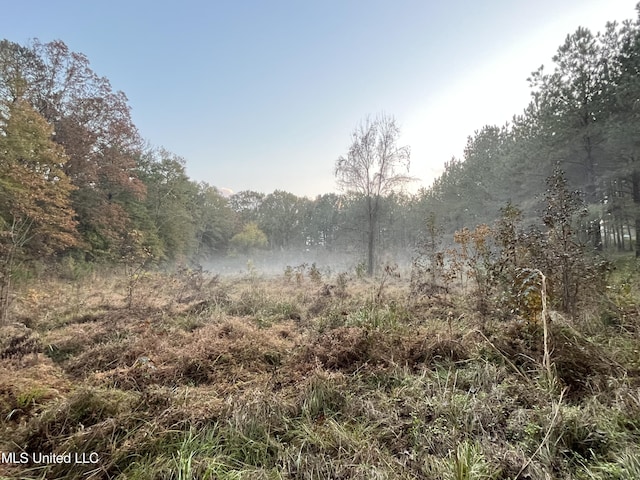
[186, 375]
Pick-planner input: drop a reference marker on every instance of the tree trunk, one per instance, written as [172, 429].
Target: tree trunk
[635, 183]
[589, 171]
[371, 237]
[370, 246]
[619, 243]
[5, 288]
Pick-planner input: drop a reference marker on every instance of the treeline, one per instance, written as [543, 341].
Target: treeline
[584, 117]
[77, 180]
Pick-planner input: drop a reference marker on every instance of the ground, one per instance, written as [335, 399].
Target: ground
[188, 375]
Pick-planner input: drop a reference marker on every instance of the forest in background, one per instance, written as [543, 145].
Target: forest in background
[510, 352]
[79, 185]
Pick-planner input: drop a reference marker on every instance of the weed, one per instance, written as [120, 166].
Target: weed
[299, 273]
[18, 341]
[288, 273]
[322, 398]
[388, 272]
[135, 257]
[280, 380]
[314, 273]
[341, 285]
[467, 462]
[31, 397]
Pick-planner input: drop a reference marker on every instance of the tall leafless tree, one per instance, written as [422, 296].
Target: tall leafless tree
[374, 168]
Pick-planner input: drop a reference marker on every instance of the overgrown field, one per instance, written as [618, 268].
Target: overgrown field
[310, 376]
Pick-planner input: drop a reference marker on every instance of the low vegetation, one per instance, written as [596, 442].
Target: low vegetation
[315, 376]
[508, 350]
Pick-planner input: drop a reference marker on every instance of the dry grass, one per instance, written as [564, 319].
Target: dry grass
[276, 378]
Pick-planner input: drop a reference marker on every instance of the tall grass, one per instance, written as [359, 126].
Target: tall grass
[268, 378]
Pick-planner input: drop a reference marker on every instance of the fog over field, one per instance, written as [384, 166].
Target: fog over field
[328, 315]
[275, 263]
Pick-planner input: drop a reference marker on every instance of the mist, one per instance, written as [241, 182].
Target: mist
[274, 263]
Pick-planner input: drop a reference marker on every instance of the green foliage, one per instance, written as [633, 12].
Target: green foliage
[169, 201]
[246, 204]
[321, 398]
[30, 397]
[281, 214]
[251, 238]
[583, 116]
[468, 463]
[371, 316]
[562, 256]
[214, 222]
[74, 267]
[322, 222]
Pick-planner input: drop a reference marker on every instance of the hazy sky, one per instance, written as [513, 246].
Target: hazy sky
[263, 95]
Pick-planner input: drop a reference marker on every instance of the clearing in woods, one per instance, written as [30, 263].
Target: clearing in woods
[308, 376]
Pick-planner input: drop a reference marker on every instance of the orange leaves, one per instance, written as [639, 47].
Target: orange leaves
[78, 133]
[35, 187]
[528, 293]
[476, 239]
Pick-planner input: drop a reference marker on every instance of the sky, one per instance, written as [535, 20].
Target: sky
[264, 95]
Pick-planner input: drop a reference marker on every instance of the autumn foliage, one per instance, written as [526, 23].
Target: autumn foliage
[34, 186]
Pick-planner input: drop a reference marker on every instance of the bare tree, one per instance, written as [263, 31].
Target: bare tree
[373, 168]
